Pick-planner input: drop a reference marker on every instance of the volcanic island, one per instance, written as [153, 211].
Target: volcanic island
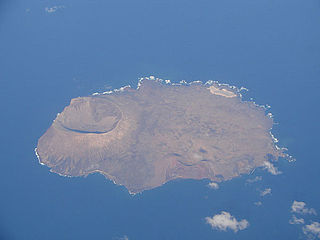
[142, 138]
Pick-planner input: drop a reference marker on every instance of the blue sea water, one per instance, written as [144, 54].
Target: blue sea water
[52, 51]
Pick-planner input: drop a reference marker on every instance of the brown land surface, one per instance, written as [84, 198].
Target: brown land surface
[146, 137]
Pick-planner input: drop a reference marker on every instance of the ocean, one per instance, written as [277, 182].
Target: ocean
[53, 51]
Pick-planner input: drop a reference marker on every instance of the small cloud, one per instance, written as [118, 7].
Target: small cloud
[271, 169]
[295, 220]
[225, 220]
[256, 179]
[312, 230]
[265, 192]
[213, 185]
[53, 9]
[300, 207]
[125, 237]
[258, 203]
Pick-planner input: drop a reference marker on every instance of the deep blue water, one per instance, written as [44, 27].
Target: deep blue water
[269, 46]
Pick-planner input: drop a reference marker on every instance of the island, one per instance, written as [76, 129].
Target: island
[144, 137]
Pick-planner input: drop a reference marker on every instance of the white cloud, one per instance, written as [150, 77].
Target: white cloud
[256, 179]
[300, 207]
[258, 203]
[271, 169]
[53, 9]
[265, 192]
[295, 220]
[312, 230]
[225, 220]
[125, 237]
[213, 185]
